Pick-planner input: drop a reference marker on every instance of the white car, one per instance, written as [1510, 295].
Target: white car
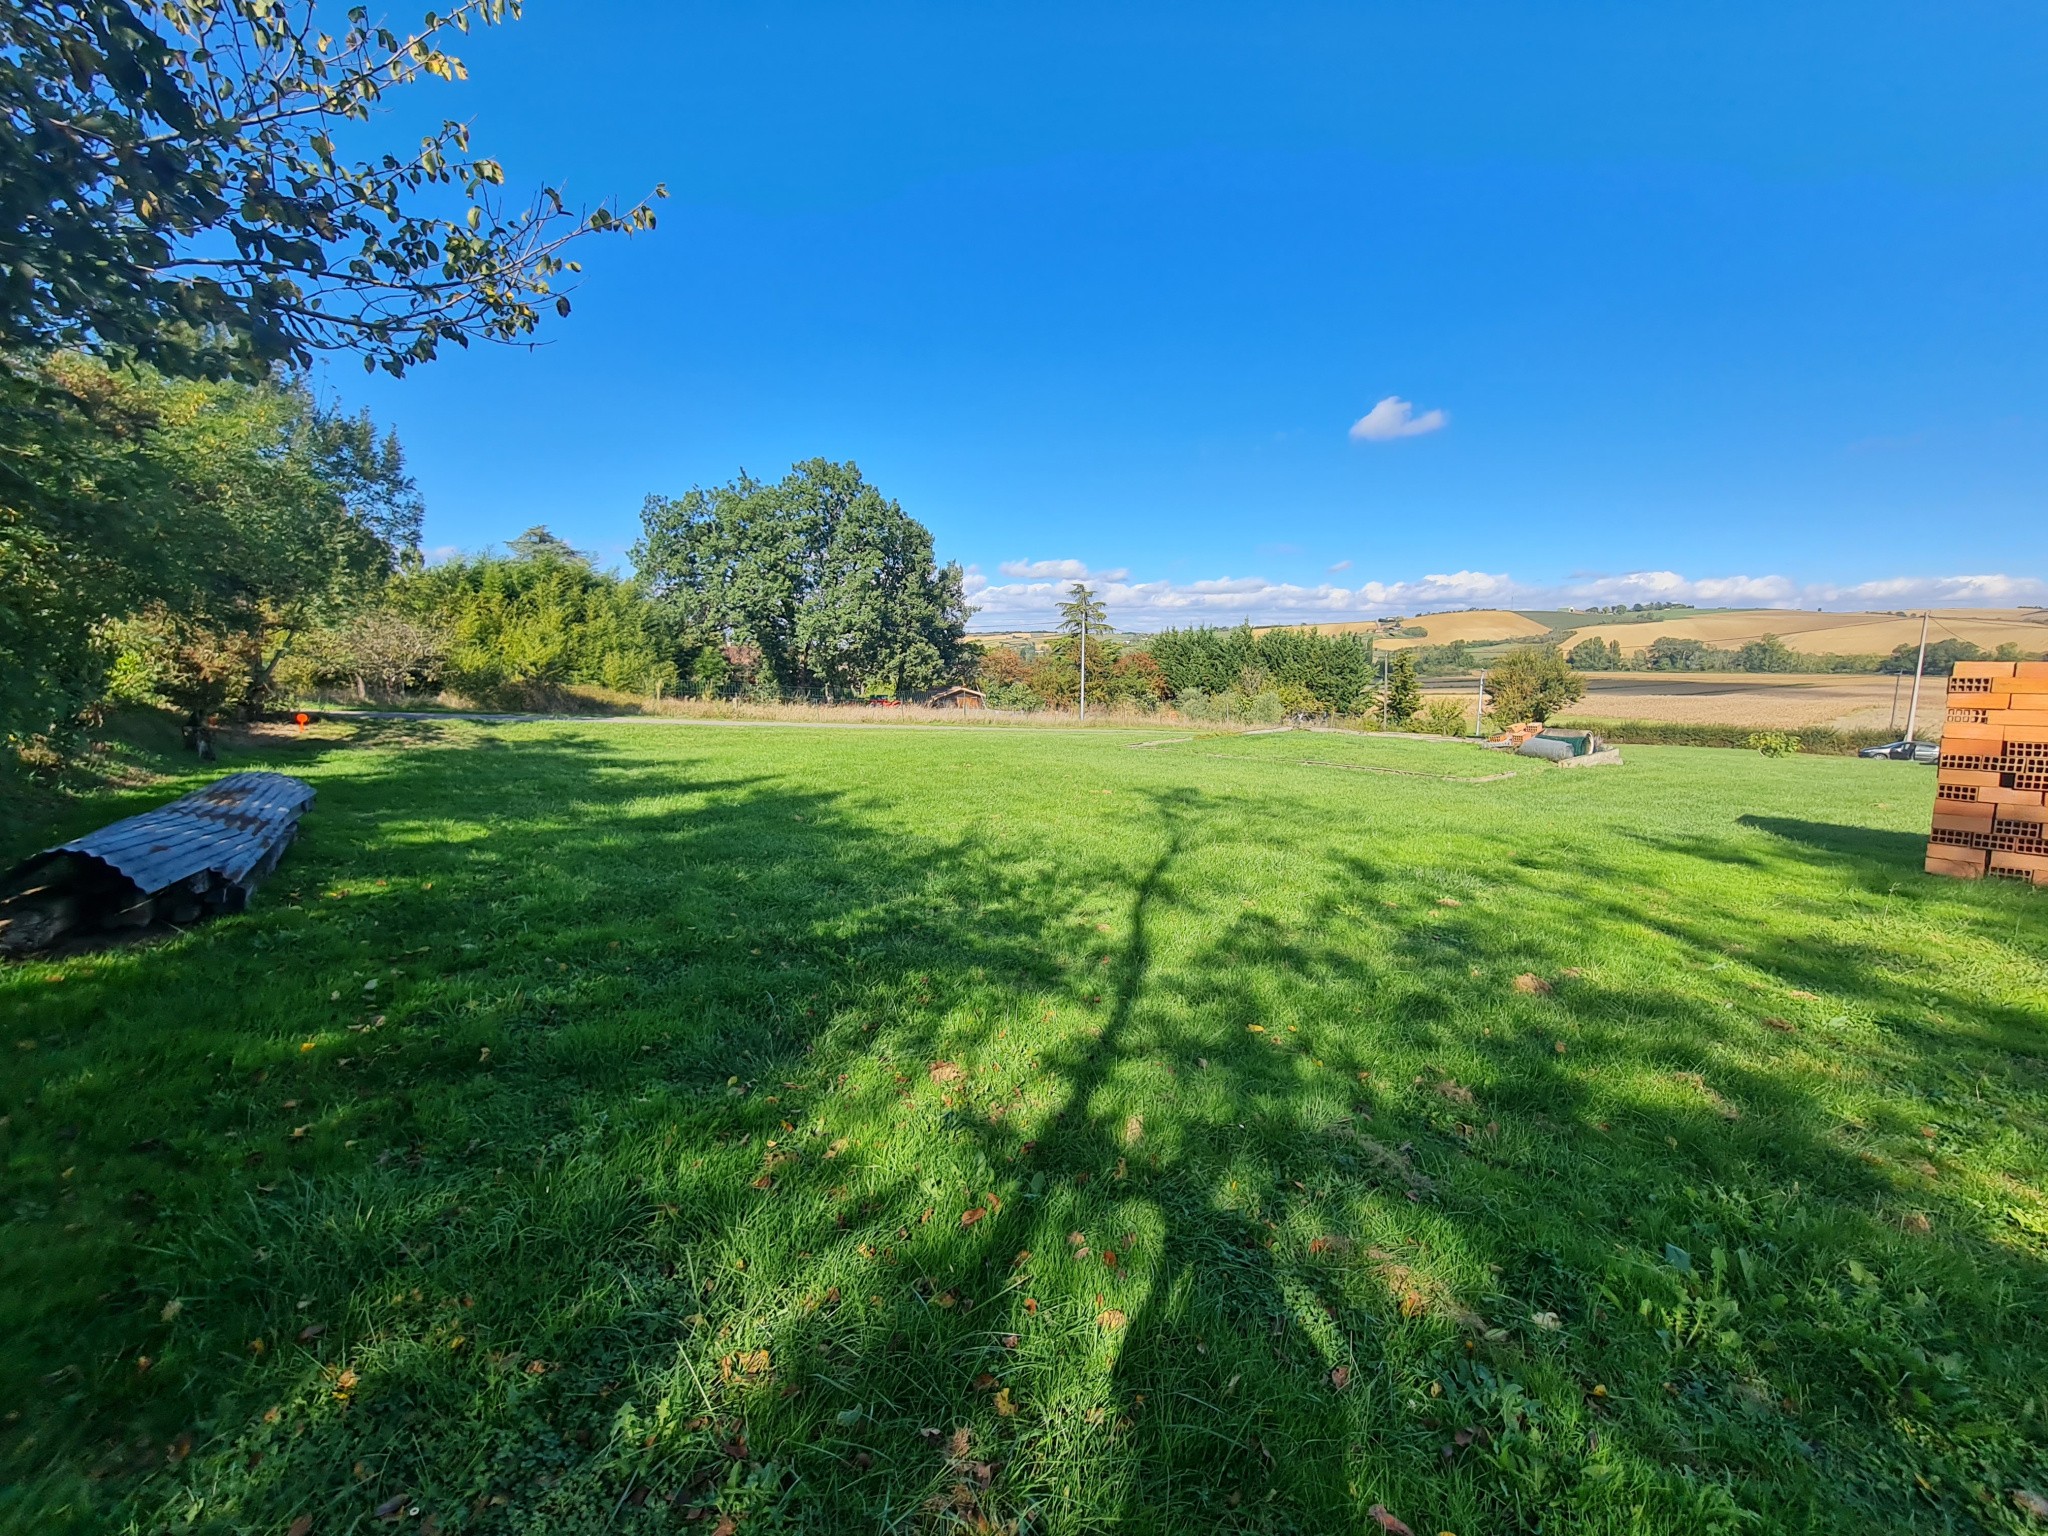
[1906, 751]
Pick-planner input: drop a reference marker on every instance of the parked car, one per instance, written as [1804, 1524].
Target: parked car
[1906, 751]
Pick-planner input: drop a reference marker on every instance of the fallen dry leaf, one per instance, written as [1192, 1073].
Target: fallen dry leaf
[311, 1332]
[1340, 1377]
[391, 1507]
[1111, 1319]
[969, 1217]
[743, 1364]
[1782, 1026]
[1389, 1523]
[1005, 1407]
[947, 1072]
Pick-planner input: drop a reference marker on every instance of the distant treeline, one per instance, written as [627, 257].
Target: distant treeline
[1207, 674]
[1678, 653]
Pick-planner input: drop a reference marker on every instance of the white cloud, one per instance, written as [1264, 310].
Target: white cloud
[1227, 599]
[1063, 570]
[1341, 565]
[1071, 569]
[1394, 417]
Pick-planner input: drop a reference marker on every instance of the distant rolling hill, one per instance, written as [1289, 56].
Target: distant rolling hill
[1821, 633]
[1847, 634]
[1727, 628]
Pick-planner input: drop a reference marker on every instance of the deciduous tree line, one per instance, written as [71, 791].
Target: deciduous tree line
[181, 520]
[1770, 653]
[175, 214]
[177, 537]
[813, 588]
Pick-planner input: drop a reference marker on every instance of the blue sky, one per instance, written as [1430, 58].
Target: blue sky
[1732, 306]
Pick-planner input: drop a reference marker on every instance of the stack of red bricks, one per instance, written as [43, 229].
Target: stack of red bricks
[1989, 815]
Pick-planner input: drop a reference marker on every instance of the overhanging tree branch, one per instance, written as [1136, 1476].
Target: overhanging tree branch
[137, 136]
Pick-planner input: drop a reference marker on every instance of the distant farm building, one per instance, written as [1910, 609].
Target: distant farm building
[958, 698]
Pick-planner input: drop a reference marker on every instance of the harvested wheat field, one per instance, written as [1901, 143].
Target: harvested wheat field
[1786, 701]
[1722, 698]
[1845, 634]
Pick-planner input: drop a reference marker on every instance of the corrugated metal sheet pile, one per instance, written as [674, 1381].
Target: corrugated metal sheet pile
[200, 855]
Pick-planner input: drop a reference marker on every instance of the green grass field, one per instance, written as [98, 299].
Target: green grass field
[774, 1129]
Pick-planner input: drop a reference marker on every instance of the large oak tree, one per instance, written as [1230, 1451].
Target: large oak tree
[832, 582]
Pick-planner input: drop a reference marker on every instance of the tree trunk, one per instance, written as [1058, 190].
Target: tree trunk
[260, 675]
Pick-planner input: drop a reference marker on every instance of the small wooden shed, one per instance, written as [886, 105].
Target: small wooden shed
[958, 697]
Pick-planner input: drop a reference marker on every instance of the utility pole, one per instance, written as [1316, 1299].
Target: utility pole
[1913, 708]
[1898, 681]
[1084, 666]
[1479, 719]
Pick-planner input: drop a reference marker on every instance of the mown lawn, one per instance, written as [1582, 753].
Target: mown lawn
[764, 1129]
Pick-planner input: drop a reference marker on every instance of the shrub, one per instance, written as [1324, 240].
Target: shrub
[1297, 700]
[1532, 682]
[1014, 696]
[1443, 717]
[1773, 743]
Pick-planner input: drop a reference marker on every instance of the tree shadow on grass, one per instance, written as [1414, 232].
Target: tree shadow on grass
[1526, 1215]
[1877, 853]
[709, 1142]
